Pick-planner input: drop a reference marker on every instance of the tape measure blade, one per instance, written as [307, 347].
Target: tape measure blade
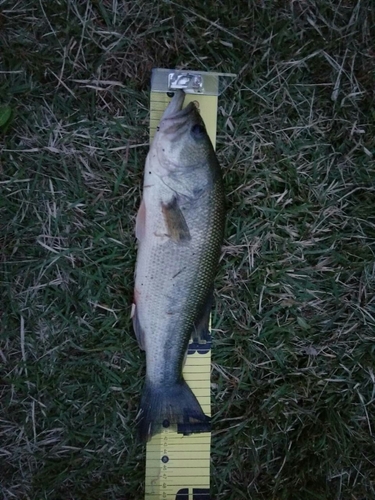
[176, 465]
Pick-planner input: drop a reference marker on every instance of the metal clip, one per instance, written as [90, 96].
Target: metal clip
[186, 81]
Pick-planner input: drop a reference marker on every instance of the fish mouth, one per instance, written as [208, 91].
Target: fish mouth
[174, 110]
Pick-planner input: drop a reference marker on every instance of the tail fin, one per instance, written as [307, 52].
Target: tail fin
[165, 405]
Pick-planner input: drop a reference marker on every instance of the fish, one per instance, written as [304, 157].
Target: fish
[179, 230]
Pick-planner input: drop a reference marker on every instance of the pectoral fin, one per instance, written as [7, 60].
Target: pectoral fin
[175, 221]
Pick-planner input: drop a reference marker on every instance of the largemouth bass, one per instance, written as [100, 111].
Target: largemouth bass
[179, 228]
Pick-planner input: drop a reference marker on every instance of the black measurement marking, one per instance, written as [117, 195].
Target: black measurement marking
[201, 347]
[201, 494]
[183, 494]
[188, 428]
[166, 423]
[198, 494]
[165, 459]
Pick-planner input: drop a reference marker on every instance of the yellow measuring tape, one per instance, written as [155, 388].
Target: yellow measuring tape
[178, 465]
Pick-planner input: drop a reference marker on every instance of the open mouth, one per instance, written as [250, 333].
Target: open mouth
[174, 109]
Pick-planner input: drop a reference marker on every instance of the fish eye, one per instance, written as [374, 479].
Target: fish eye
[198, 130]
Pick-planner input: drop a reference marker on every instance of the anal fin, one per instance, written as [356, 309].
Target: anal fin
[201, 336]
[201, 331]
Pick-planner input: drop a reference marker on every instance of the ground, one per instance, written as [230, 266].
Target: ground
[293, 380]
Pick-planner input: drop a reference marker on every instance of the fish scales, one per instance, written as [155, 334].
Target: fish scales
[180, 229]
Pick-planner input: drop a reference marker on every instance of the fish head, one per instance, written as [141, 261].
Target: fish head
[181, 141]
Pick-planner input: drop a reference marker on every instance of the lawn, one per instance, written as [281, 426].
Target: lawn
[293, 382]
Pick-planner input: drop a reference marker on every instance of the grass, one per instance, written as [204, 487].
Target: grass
[294, 320]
